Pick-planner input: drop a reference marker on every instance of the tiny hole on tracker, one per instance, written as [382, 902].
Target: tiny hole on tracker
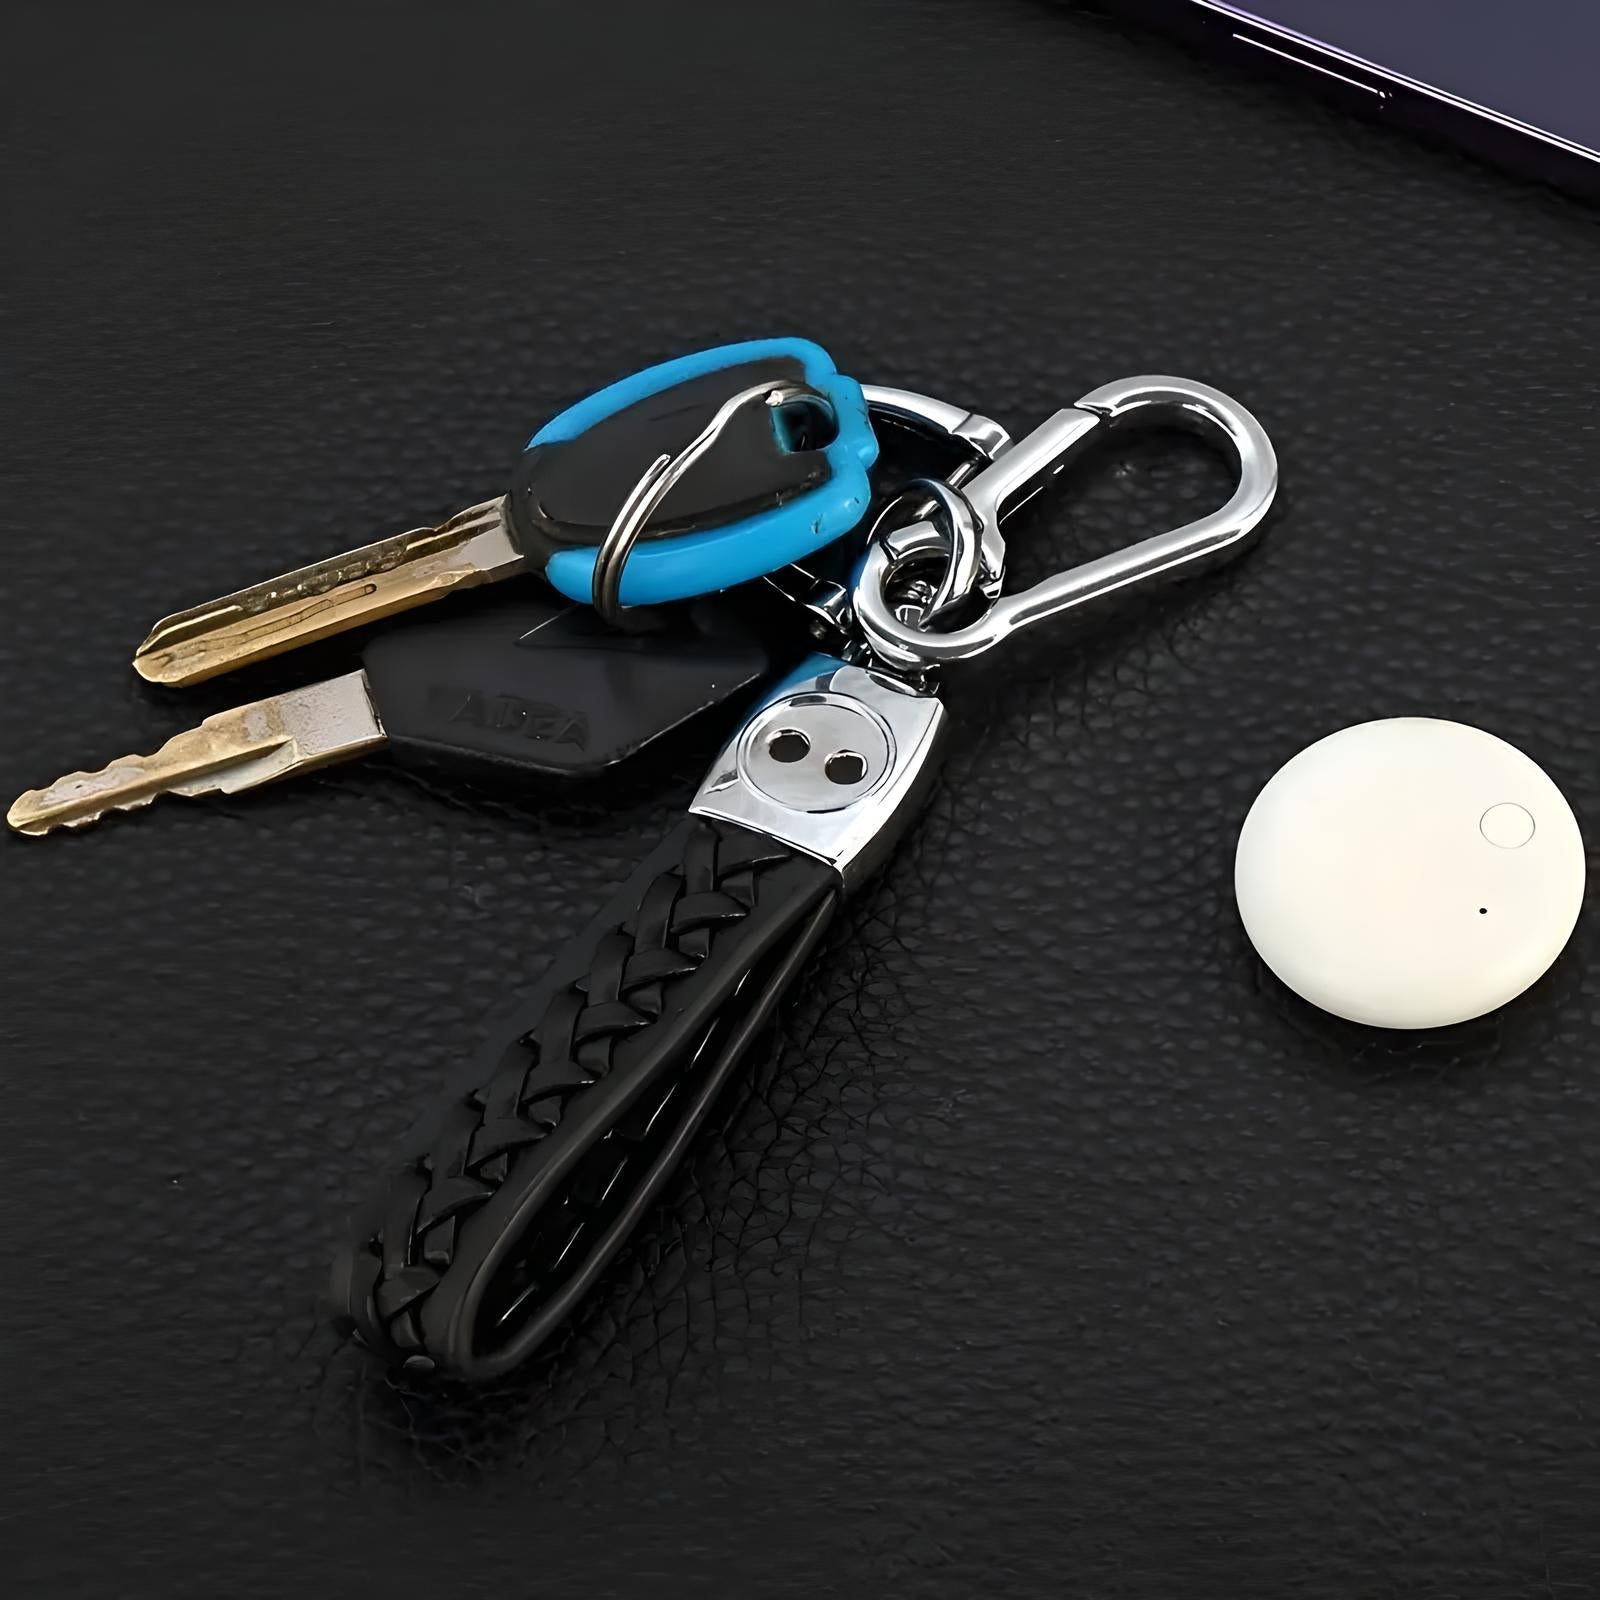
[788, 745]
[804, 424]
[1483, 911]
[845, 766]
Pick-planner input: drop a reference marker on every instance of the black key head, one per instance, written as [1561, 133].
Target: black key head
[535, 683]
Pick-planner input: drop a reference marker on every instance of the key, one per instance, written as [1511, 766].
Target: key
[781, 481]
[527, 683]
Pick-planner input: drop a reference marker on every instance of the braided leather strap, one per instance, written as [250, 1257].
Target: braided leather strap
[511, 1196]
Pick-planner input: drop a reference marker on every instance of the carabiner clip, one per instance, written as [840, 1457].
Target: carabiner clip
[1027, 467]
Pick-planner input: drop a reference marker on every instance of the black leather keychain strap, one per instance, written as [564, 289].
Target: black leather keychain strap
[508, 1200]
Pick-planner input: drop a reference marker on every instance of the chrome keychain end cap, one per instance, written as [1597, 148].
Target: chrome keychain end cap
[833, 760]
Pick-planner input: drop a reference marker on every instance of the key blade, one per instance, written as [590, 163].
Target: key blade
[393, 574]
[238, 749]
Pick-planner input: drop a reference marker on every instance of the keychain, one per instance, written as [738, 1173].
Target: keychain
[781, 443]
[507, 1200]
[535, 683]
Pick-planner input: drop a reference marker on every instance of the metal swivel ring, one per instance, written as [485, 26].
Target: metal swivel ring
[656, 483]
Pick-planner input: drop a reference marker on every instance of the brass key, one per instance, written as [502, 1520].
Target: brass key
[772, 484]
[531, 684]
[239, 749]
[394, 574]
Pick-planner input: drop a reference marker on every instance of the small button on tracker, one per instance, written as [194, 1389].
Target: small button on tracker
[1409, 873]
[1507, 825]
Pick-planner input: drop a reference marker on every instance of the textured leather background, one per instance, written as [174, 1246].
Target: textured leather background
[1051, 1249]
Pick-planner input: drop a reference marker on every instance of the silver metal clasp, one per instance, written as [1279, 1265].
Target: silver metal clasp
[834, 760]
[964, 527]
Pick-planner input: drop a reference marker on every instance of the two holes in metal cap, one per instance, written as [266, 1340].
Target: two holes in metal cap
[843, 767]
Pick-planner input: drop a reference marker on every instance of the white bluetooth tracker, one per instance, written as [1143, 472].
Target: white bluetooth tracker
[1409, 873]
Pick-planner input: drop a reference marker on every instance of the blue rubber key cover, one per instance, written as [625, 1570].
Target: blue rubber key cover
[778, 484]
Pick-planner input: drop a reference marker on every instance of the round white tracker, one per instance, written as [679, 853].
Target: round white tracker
[1409, 873]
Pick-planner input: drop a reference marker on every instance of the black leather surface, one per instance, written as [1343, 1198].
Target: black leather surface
[1049, 1249]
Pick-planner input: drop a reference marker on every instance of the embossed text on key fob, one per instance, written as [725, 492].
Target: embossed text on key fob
[538, 684]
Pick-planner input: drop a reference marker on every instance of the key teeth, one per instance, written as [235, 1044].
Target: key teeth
[30, 816]
[35, 813]
[243, 748]
[195, 761]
